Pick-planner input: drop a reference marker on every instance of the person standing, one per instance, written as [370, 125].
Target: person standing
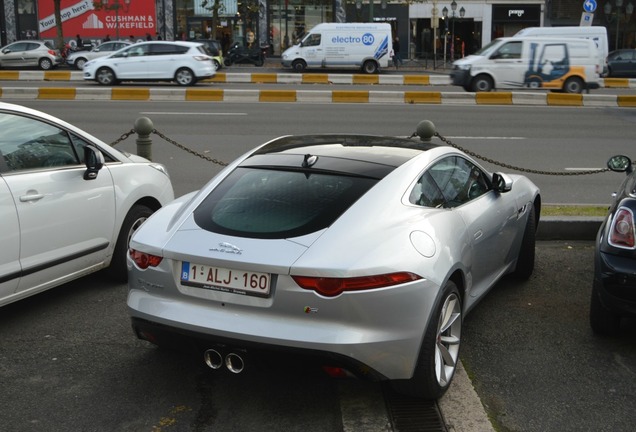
[397, 60]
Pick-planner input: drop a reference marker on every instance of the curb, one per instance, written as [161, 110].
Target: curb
[568, 228]
[291, 78]
[317, 96]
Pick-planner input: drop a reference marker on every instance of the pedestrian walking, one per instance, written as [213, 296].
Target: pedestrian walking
[397, 59]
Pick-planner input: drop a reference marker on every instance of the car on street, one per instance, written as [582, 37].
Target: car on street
[30, 53]
[214, 47]
[363, 252]
[78, 58]
[180, 61]
[69, 203]
[614, 285]
[621, 63]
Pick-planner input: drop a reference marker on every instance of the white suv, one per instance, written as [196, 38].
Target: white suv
[179, 61]
[69, 203]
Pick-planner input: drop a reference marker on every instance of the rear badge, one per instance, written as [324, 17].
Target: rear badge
[226, 247]
[309, 309]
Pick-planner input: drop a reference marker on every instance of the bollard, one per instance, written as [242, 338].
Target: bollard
[425, 130]
[143, 126]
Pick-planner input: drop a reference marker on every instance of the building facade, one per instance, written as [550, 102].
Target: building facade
[433, 28]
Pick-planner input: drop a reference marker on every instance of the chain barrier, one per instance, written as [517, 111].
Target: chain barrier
[442, 138]
[516, 168]
[122, 137]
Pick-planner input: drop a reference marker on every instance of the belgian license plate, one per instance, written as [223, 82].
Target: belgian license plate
[225, 280]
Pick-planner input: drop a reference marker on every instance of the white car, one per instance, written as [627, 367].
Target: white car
[179, 61]
[69, 203]
[77, 59]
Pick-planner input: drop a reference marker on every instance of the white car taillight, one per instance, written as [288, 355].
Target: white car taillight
[622, 232]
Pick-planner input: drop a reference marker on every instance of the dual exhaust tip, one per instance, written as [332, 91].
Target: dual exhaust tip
[233, 362]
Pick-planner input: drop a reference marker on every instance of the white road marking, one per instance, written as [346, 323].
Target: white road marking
[191, 113]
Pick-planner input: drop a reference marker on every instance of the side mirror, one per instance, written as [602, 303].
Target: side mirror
[620, 163]
[94, 160]
[501, 182]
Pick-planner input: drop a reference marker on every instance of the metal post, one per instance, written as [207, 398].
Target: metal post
[618, 20]
[143, 126]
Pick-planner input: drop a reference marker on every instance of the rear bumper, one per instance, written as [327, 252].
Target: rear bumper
[615, 282]
[197, 343]
[377, 333]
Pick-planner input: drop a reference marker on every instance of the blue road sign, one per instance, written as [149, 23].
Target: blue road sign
[589, 6]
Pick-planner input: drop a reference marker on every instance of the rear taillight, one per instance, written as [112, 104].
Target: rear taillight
[331, 287]
[621, 233]
[52, 52]
[144, 260]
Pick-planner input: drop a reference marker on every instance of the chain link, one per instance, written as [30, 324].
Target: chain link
[122, 137]
[516, 168]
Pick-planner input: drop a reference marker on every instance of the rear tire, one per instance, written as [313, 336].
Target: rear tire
[370, 67]
[118, 270]
[439, 354]
[602, 320]
[573, 85]
[45, 64]
[185, 77]
[525, 259]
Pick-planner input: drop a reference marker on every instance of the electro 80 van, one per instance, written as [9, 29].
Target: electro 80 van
[342, 46]
[568, 65]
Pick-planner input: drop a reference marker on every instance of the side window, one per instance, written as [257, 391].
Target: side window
[312, 40]
[80, 143]
[426, 193]
[510, 50]
[31, 144]
[21, 46]
[138, 51]
[459, 180]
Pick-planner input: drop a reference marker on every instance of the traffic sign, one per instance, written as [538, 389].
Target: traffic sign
[589, 6]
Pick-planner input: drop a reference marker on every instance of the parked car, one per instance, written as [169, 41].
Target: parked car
[182, 62]
[362, 252]
[215, 50]
[621, 63]
[614, 287]
[78, 58]
[69, 203]
[30, 53]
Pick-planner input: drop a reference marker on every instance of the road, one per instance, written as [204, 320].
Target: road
[69, 361]
[556, 139]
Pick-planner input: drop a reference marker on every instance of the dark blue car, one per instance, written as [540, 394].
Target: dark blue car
[614, 288]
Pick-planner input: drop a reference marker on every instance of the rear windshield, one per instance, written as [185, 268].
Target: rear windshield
[270, 203]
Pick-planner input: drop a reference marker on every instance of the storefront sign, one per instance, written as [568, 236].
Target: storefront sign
[136, 18]
[516, 13]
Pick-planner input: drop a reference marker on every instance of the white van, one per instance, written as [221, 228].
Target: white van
[597, 33]
[342, 45]
[569, 65]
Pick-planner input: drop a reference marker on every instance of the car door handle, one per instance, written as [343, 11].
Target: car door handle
[31, 197]
[478, 234]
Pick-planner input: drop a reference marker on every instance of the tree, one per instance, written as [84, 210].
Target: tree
[216, 6]
[58, 24]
